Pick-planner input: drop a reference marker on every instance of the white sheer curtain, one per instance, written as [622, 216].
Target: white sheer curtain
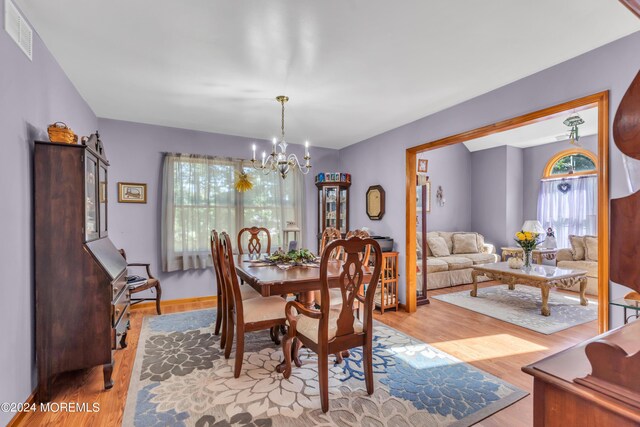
[198, 195]
[574, 210]
[273, 202]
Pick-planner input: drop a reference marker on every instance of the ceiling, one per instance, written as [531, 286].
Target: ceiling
[543, 132]
[352, 68]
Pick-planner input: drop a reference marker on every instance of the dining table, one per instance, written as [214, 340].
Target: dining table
[302, 280]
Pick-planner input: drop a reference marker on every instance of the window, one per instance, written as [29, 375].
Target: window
[571, 162]
[568, 198]
[198, 195]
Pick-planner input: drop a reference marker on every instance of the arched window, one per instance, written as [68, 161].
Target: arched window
[573, 162]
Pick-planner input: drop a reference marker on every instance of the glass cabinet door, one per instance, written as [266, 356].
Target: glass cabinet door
[330, 209]
[102, 197]
[91, 198]
[343, 211]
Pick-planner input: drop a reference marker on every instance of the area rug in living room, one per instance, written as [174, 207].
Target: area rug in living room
[522, 306]
[181, 378]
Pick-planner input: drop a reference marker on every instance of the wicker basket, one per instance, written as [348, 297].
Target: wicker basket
[60, 132]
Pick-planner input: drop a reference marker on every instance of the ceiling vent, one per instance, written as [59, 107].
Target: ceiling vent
[18, 29]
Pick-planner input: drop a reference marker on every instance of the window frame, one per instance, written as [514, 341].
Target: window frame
[570, 152]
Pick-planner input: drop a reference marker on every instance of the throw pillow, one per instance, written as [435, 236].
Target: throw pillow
[438, 246]
[465, 243]
[480, 238]
[591, 248]
[577, 247]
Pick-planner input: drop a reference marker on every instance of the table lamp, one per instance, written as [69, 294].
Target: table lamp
[532, 226]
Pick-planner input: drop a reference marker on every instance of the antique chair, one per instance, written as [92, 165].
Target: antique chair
[334, 329]
[254, 246]
[151, 283]
[328, 235]
[246, 291]
[336, 297]
[254, 314]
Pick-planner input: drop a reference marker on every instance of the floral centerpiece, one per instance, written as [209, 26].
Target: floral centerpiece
[295, 257]
[528, 241]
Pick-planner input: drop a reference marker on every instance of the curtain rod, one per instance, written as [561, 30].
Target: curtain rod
[205, 156]
[562, 178]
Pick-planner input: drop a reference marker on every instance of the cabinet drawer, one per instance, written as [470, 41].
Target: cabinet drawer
[119, 307]
[119, 331]
[118, 285]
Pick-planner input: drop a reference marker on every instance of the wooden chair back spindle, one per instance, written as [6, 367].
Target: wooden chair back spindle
[351, 280]
[329, 235]
[220, 303]
[228, 269]
[363, 235]
[254, 245]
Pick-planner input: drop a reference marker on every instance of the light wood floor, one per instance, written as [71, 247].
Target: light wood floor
[489, 344]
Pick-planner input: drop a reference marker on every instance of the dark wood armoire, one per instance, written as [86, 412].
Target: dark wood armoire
[81, 297]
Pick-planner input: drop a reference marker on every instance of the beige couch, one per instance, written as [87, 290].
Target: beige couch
[566, 258]
[454, 269]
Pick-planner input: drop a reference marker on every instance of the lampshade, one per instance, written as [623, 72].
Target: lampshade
[533, 226]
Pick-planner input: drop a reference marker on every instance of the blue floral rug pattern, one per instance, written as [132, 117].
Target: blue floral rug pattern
[180, 378]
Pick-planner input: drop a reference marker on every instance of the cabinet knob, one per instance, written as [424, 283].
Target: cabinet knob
[117, 311]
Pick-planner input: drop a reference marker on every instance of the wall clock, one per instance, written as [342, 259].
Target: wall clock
[375, 202]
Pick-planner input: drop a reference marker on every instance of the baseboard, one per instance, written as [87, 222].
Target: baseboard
[18, 417]
[165, 303]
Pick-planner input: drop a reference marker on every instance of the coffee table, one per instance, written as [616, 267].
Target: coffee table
[544, 277]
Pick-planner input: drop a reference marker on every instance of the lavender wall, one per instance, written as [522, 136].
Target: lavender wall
[381, 159]
[488, 189]
[535, 160]
[32, 95]
[449, 167]
[513, 197]
[136, 151]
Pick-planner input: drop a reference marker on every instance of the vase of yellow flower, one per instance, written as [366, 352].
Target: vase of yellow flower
[528, 241]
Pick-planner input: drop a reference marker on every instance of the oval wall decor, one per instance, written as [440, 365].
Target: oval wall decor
[375, 202]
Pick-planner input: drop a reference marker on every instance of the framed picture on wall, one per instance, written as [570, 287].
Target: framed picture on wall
[423, 165]
[131, 192]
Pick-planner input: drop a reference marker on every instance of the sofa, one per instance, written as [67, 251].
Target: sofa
[449, 263]
[583, 255]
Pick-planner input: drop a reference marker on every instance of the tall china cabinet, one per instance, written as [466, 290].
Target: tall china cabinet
[82, 301]
[333, 206]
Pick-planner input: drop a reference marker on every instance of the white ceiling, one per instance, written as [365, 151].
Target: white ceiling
[544, 132]
[352, 68]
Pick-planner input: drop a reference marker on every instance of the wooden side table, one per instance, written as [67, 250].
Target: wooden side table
[538, 255]
[387, 293]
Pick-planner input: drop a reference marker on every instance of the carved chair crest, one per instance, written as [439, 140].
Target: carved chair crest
[254, 245]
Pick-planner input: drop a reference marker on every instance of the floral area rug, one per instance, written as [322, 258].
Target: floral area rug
[181, 378]
[522, 306]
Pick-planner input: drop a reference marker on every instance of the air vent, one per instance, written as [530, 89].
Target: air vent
[18, 29]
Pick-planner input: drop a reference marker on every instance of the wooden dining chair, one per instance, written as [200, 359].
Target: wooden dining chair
[329, 235]
[332, 330]
[336, 298]
[247, 292]
[247, 315]
[254, 245]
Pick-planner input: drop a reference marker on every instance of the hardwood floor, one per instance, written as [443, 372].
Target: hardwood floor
[489, 344]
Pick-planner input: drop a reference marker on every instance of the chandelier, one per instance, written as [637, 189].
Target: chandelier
[573, 122]
[279, 161]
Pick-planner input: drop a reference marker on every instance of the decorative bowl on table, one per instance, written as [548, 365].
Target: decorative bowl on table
[515, 263]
